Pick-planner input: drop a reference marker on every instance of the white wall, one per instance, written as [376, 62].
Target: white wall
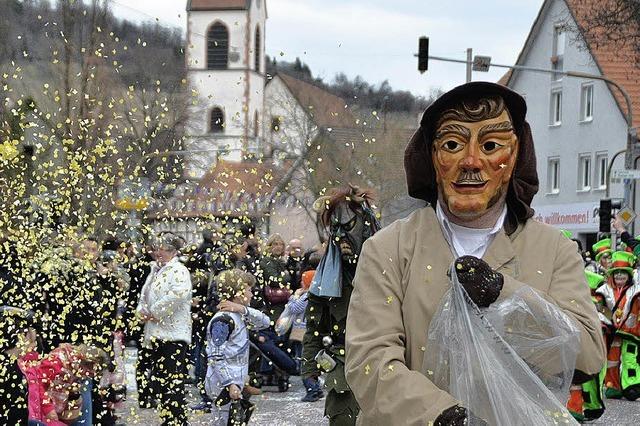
[296, 126]
[238, 90]
[606, 133]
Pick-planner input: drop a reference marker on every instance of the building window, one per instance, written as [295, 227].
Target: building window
[602, 163]
[584, 172]
[556, 108]
[557, 58]
[216, 124]
[218, 47]
[554, 175]
[258, 43]
[276, 124]
[586, 103]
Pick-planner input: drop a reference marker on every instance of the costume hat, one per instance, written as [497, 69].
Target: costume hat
[593, 280]
[602, 247]
[621, 261]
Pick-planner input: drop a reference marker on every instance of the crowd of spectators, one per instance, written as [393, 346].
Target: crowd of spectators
[69, 313]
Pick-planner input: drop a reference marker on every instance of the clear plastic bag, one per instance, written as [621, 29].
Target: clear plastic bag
[284, 322]
[509, 364]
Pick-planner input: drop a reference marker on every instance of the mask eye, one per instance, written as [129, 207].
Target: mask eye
[451, 146]
[490, 147]
[349, 225]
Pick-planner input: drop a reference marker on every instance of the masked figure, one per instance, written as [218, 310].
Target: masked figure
[347, 215]
[472, 160]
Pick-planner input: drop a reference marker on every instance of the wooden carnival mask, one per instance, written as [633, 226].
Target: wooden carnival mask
[474, 154]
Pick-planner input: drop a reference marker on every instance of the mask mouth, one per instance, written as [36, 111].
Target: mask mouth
[470, 180]
[345, 247]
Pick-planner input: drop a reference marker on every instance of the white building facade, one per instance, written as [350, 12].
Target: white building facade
[577, 124]
[226, 69]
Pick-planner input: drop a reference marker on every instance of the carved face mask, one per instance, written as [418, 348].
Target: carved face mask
[347, 229]
[474, 162]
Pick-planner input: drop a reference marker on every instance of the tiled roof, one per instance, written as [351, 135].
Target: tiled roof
[325, 108]
[217, 4]
[504, 80]
[245, 176]
[229, 188]
[616, 61]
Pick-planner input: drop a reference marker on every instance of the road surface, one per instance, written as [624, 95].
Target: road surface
[285, 409]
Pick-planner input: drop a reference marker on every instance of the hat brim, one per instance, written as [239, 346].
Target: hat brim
[599, 255]
[476, 89]
[611, 271]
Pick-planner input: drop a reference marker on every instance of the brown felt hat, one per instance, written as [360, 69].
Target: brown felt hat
[418, 165]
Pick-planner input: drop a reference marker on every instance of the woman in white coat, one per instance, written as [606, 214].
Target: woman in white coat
[165, 308]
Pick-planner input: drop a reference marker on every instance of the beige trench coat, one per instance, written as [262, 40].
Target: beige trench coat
[400, 280]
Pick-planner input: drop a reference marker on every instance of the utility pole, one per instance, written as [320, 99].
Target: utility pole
[469, 63]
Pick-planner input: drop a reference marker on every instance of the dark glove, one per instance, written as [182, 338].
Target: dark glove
[483, 284]
[458, 416]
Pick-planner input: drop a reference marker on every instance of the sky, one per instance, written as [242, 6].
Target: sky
[377, 39]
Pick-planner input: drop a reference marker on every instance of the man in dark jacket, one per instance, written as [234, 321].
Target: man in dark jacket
[295, 254]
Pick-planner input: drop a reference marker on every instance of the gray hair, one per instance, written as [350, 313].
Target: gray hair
[169, 240]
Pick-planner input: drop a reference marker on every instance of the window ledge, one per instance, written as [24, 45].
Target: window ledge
[604, 188]
[583, 190]
[555, 125]
[553, 193]
[587, 121]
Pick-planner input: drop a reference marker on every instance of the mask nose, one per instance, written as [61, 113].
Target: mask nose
[471, 161]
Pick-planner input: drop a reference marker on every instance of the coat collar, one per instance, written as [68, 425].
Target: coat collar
[499, 254]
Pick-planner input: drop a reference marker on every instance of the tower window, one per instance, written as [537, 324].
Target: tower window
[258, 42]
[217, 47]
[217, 121]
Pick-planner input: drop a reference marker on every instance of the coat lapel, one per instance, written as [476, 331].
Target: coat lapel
[501, 255]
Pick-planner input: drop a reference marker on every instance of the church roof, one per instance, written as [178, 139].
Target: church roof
[218, 4]
[615, 61]
[324, 108]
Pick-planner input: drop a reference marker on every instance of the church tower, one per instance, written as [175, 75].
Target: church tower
[226, 66]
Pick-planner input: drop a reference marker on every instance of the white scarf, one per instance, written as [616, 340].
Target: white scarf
[468, 241]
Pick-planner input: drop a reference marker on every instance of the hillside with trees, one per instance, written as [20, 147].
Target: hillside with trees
[370, 97]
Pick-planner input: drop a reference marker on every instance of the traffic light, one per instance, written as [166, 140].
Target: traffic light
[423, 54]
[605, 215]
